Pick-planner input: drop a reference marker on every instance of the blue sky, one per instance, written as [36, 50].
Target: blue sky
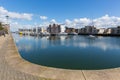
[61, 10]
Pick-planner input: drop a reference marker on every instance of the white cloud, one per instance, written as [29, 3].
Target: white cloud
[85, 21]
[67, 21]
[3, 11]
[53, 21]
[15, 26]
[83, 44]
[104, 21]
[15, 15]
[2, 18]
[78, 22]
[82, 22]
[43, 17]
[107, 21]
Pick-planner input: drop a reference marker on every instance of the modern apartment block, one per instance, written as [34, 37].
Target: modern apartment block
[92, 30]
[54, 29]
[69, 30]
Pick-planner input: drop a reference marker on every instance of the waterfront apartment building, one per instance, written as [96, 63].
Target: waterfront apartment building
[101, 31]
[82, 31]
[69, 30]
[95, 30]
[62, 28]
[116, 30]
[25, 31]
[54, 29]
[37, 30]
[108, 31]
[30, 31]
[88, 30]
[91, 30]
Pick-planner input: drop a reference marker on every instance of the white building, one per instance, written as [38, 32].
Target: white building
[62, 28]
[101, 31]
[108, 31]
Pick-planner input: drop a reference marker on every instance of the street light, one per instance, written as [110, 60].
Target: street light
[7, 17]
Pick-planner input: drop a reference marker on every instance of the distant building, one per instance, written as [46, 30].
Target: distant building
[82, 30]
[62, 28]
[88, 30]
[116, 30]
[91, 30]
[25, 31]
[108, 31]
[54, 29]
[101, 31]
[69, 30]
[77, 30]
[37, 30]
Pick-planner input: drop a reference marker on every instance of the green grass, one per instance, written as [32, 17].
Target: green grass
[1, 28]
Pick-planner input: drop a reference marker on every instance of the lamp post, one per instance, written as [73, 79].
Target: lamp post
[7, 17]
[8, 25]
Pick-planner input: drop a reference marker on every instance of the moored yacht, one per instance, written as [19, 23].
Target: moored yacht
[91, 36]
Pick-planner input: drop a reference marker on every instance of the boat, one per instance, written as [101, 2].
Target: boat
[45, 34]
[91, 36]
[20, 32]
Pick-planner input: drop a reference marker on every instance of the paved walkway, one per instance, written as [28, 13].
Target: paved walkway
[6, 71]
[2, 40]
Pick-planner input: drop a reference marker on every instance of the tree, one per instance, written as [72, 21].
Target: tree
[1, 28]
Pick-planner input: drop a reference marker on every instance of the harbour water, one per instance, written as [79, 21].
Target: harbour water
[70, 52]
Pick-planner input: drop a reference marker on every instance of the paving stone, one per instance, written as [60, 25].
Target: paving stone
[7, 72]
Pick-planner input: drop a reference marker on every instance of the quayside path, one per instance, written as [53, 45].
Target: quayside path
[13, 67]
[6, 71]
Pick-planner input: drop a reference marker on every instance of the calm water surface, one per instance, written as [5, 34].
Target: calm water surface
[71, 52]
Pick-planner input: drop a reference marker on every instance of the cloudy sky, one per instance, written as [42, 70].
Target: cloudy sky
[73, 13]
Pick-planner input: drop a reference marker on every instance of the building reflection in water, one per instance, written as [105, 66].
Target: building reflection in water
[71, 52]
[84, 42]
[44, 42]
[57, 40]
[23, 46]
[103, 43]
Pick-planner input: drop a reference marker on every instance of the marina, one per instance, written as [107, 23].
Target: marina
[59, 40]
